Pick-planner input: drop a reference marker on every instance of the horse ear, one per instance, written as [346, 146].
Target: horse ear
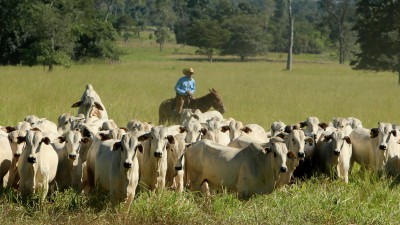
[213, 90]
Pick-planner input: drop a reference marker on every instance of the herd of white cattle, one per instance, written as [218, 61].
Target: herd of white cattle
[205, 152]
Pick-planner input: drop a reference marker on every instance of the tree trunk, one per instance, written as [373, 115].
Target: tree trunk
[290, 47]
[50, 67]
[242, 58]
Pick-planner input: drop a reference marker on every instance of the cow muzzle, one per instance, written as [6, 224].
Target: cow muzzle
[283, 169]
[336, 152]
[31, 159]
[382, 147]
[17, 155]
[127, 165]
[301, 154]
[158, 154]
[72, 156]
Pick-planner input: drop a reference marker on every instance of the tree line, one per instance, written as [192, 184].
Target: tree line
[60, 32]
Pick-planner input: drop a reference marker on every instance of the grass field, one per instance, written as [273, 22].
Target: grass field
[258, 91]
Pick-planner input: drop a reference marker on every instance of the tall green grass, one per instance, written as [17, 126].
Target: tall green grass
[258, 91]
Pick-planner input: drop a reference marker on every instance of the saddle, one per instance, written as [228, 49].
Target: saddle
[185, 103]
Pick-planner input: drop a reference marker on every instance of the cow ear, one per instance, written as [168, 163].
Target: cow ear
[139, 147]
[85, 140]
[347, 139]
[303, 124]
[203, 131]
[394, 132]
[291, 155]
[281, 135]
[374, 133]
[171, 139]
[98, 106]
[323, 125]
[20, 139]
[61, 139]
[182, 130]
[225, 128]
[10, 129]
[104, 137]
[46, 140]
[309, 140]
[268, 149]
[187, 145]
[247, 130]
[144, 137]
[327, 138]
[288, 129]
[117, 145]
[196, 117]
[76, 104]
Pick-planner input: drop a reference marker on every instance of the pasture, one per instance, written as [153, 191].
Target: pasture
[258, 91]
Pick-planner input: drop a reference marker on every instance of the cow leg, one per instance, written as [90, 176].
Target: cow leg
[205, 189]
[129, 200]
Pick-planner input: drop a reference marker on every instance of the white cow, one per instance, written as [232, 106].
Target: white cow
[295, 143]
[354, 122]
[136, 125]
[5, 158]
[90, 104]
[387, 152]
[364, 142]
[276, 128]
[342, 124]
[215, 133]
[236, 128]
[334, 154]
[69, 170]
[194, 131]
[248, 171]
[47, 127]
[37, 165]
[153, 161]
[67, 122]
[117, 169]
[174, 178]
[17, 143]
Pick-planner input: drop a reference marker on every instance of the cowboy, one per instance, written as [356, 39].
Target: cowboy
[184, 88]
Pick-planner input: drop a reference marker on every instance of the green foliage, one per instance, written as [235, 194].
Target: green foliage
[162, 35]
[96, 40]
[208, 36]
[378, 28]
[247, 37]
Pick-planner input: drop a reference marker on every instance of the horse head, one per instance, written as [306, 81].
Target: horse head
[217, 101]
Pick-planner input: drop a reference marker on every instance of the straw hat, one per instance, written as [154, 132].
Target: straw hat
[188, 70]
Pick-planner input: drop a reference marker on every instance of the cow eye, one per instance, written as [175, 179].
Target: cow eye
[293, 140]
[275, 155]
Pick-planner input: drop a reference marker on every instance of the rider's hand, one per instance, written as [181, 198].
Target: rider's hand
[189, 94]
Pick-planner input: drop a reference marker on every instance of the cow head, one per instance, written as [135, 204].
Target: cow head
[128, 147]
[34, 140]
[385, 133]
[339, 141]
[296, 142]
[277, 147]
[17, 142]
[73, 140]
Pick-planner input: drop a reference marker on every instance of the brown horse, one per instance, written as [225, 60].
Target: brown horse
[204, 103]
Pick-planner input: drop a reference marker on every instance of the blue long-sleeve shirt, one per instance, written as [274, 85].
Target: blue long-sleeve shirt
[185, 84]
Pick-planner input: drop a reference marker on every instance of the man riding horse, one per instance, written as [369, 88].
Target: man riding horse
[184, 88]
